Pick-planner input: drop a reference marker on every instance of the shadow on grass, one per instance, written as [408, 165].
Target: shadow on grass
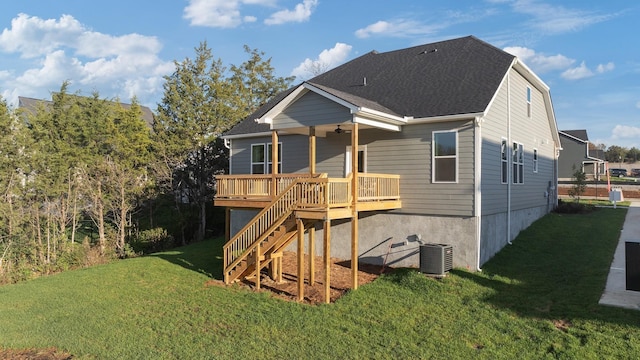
[557, 269]
[204, 257]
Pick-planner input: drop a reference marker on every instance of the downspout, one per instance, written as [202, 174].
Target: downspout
[509, 159]
[478, 186]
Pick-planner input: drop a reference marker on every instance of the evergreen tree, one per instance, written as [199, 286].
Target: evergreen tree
[199, 104]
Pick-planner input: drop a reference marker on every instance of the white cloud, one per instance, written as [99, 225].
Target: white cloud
[538, 62]
[577, 73]
[554, 19]
[213, 13]
[602, 68]
[327, 59]
[405, 27]
[221, 13]
[397, 28]
[32, 37]
[302, 12]
[582, 71]
[64, 49]
[625, 132]
[638, 104]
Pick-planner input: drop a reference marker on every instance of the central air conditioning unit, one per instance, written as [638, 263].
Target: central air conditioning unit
[436, 259]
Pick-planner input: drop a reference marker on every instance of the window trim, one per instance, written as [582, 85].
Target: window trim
[267, 161]
[517, 161]
[254, 163]
[504, 162]
[529, 101]
[535, 160]
[347, 159]
[455, 157]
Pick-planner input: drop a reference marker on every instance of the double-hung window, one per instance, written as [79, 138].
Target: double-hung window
[444, 156]
[261, 158]
[528, 102]
[518, 163]
[535, 160]
[504, 159]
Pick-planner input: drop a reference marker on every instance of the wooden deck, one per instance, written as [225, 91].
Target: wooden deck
[290, 205]
[319, 197]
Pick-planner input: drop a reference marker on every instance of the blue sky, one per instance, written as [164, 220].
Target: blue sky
[588, 52]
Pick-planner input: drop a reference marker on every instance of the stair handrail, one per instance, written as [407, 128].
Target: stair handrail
[261, 225]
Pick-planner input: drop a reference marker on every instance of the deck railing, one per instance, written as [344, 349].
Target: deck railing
[318, 191]
[301, 193]
[378, 187]
[252, 186]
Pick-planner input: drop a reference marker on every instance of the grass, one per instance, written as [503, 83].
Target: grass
[536, 299]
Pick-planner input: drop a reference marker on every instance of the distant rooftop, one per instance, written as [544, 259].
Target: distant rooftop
[31, 104]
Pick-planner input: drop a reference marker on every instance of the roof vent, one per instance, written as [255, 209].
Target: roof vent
[429, 51]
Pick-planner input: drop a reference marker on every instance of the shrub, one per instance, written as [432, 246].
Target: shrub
[573, 207]
[152, 240]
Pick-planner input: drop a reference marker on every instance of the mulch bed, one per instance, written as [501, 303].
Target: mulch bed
[34, 354]
[600, 192]
[340, 283]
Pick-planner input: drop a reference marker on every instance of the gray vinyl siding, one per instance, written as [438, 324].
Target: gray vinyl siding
[311, 110]
[407, 153]
[533, 133]
[572, 154]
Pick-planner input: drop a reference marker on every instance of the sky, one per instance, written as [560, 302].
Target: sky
[587, 52]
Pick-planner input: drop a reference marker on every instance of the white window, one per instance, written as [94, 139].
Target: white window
[528, 101]
[518, 163]
[257, 159]
[504, 159]
[261, 162]
[535, 160]
[444, 160]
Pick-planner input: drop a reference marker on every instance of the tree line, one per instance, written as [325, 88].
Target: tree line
[620, 154]
[85, 179]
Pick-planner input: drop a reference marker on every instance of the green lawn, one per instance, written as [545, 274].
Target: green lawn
[537, 299]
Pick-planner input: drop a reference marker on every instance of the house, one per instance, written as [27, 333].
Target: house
[453, 142]
[579, 154]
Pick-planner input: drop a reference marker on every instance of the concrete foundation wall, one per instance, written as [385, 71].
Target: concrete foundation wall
[393, 237]
[494, 229]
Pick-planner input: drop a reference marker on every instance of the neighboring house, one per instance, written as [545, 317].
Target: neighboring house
[456, 144]
[579, 154]
[31, 105]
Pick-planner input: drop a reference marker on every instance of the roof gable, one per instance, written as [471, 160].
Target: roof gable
[577, 134]
[443, 80]
[450, 77]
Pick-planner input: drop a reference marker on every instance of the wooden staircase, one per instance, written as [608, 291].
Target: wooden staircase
[261, 242]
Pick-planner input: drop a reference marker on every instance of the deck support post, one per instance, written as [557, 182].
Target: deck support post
[274, 164]
[312, 262]
[327, 261]
[354, 196]
[258, 267]
[227, 224]
[300, 259]
[312, 150]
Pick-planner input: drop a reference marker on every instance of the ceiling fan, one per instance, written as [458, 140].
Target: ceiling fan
[339, 130]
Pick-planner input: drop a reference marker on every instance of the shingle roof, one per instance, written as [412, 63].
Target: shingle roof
[578, 134]
[31, 105]
[458, 76]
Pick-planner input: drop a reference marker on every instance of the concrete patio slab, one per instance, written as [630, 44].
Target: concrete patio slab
[616, 293]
